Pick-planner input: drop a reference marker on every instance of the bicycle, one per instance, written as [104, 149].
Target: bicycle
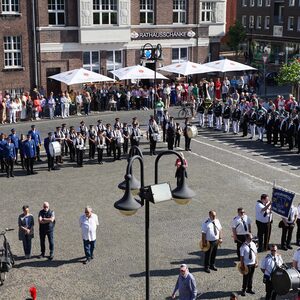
[6, 257]
[185, 111]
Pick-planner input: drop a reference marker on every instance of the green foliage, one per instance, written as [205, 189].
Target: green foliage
[289, 73]
[236, 36]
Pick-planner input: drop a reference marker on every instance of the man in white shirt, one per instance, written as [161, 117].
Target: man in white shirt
[212, 233]
[248, 257]
[268, 266]
[287, 225]
[88, 223]
[241, 225]
[263, 215]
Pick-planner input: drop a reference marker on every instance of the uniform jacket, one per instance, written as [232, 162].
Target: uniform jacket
[29, 148]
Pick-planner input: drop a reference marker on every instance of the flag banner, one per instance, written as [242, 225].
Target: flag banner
[282, 201]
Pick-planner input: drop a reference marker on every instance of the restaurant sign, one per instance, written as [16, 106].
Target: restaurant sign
[162, 35]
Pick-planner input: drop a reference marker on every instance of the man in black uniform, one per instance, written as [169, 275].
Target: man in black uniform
[185, 133]
[170, 128]
[47, 224]
[290, 133]
[270, 123]
[282, 130]
[276, 128]
[50, 159]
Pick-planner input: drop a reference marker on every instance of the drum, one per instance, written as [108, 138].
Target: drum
[192, 131]
[55, 148]
[285, 280]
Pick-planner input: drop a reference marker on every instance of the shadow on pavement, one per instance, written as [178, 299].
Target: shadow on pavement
[45, 263]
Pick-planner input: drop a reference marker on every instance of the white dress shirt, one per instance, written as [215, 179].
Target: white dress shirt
[268, 263]
[245, 252]
[238, 225]
[211, 231]
[88, 227]
[262, 216]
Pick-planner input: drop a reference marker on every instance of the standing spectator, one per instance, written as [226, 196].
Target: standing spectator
[88, 223]
[78, 103]
[63, 100]
[13, 108]
[287, 225]
[23, 102]
[86, 101]
[3, 111]
[26, 230]
[29, 109]
[185, 285]
[248, 253]
[47, 224]
[51, 105]
[263, 221]
[68, 102]
[159, 108]
[212, 233]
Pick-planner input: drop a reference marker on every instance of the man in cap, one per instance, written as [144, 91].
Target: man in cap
[185, 285]
[3, 143]
[252, 122]
[282, 130]
[10, 157]
[50, 159]
[15, 140]
[59, 137]
[65, 146]
[29, 148]
[171, 131]
[35, 136]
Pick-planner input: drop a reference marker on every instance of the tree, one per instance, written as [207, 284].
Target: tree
[290, 74]
[236, 36]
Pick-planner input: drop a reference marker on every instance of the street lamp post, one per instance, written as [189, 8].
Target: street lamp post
[156, 193]
[265, 59]
[152, 53]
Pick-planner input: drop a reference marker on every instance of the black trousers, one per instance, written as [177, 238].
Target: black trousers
[29, 161]
[298, 232]
[100, 154]
[79, 154]
[38, 156]
[210, 255]
[72, 152]
[177, 140]
[117, 151]
[263, 235]
[92, 150]
[269, 136]
[282, 139]
[50, 160]
[152, 146]
[108, 148]
[125, 146]
[187, 143]
[244, 126]
[43, 235]
[239, 242]
[286, 235]
[270, 292]
[275, 137]
[9, 166]
[248, 279]
[170, 139]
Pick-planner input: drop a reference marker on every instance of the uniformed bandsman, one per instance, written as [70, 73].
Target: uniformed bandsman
[236, 116]
[29, 147]
[135, 135]
[65, 146]
[126, 137]
[59, 137]
[100, 143]
[109, 139]
[248, 257]
[178, 134]
[226, 117]
[152, 134]
[260, 124]
[170, 130]
[287, 225]
[282, 130]
[35, 136]
[80, 147]
[252, 122]
[10, 157]
[15, 140]
[212, 233]
[100, 126]
[92, 136]
[3, 143]
[117, 142]
[71, 142]
[50, 159]
[218, 114]
[268, 265]
[201, 111]
[165, 120]
[241, 225]
[185, 133]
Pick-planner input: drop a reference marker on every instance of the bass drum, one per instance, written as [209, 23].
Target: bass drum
[55, 148]
[285, 280]
[192, 131]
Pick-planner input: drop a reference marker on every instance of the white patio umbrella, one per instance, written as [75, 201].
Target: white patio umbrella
[187, 68]
[227, 65]
[81, 75]
[137, 72]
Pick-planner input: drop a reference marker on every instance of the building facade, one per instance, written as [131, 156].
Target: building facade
[273, 29]
[104, 35]
[17, 39]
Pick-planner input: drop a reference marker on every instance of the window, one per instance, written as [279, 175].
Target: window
[105, 12]
[15, 92]
[267, 22]
[244, 21]
[208, 11]
[258, 22]
[113, 60]
[252, 3]
[259, 2]
[12, 52]
[251, 21]
[298, 25]
[244, 3]
[179, 55]
[291, 23]
[91, 61]
[291, 2]
[268, 2]
[179, 11]
[10, 6]
[146, 12]
[56, 12]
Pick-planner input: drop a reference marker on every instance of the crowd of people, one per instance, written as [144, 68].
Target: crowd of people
[114, 139]
[247, 248]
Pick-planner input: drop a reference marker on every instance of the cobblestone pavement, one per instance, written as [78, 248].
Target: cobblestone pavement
[225, 171]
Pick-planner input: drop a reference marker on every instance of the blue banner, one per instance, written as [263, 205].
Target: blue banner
[282, 201]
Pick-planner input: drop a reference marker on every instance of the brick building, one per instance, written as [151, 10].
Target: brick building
[273, 29]
[17, 55]
[106, 35]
